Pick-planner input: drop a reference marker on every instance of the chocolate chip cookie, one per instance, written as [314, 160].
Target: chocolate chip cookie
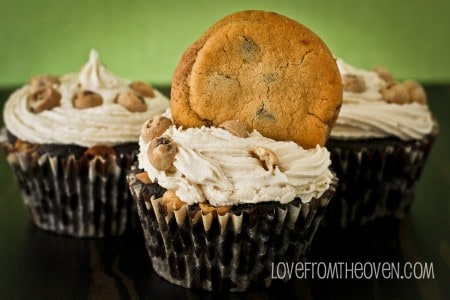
[264, 70]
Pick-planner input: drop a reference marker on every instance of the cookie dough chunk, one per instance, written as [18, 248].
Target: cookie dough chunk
[264, 70]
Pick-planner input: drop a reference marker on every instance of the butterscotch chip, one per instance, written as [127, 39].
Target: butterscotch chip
[266, 71]
[235, 127]
[87, 99]
[45, 98]
[23, 146]
[384, 74]
[208, 208]
[171, 200]
[142, 89]
[267, 157]
[143, 177]
[416, 91]
[395, 93]
[132, 101]
[99, 150]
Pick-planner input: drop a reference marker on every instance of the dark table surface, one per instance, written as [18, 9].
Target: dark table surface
[38, 265]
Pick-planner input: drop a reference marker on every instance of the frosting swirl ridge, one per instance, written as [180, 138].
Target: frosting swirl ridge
[215, 165]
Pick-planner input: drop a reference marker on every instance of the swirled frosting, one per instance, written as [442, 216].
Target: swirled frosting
[367, 115]
[107, 124]
[213, 164]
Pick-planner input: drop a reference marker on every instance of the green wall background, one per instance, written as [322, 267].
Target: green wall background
[144, 39]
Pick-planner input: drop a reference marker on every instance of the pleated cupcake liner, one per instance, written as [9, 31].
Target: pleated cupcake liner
[377, 179]
[76, 196]
[230, 252]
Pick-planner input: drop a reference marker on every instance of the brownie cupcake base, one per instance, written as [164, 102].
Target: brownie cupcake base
[378, 178]
[74, 190]
[231, 251]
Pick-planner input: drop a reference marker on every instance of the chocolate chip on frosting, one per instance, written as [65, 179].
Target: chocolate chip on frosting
[87, 99]
[132, 101]
[45, 98]
[142, 89]
[267, 157]
[161, 153]
[354, 83]
[153, 128]
[235, 127]
[39, 82]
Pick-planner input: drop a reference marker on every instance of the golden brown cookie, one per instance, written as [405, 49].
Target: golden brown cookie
[264, 70]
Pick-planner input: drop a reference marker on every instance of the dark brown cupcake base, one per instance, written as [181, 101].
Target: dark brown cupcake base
[377, 177]
[233, 252]
[68, 190]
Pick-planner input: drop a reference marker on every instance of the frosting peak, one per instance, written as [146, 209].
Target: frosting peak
[94, 75]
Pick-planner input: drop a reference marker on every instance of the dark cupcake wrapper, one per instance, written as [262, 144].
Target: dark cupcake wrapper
[377, 178]
[234, 251]
[72, 194]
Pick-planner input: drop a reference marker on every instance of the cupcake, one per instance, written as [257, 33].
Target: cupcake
[70, 141]
[378, 146]
[223, 194]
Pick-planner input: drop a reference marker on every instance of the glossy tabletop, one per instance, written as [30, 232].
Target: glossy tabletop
[38, 265]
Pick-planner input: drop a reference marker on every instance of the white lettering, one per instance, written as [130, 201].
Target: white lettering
[352, 270]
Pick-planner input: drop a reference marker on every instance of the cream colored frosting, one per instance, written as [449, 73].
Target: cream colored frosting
[107, 124]
[367, 115]
[213, 164]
